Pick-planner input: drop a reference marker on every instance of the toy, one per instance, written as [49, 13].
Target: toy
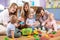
[24, 32]
[37, 38]
[6, 38]
[51, 35]
[44, 38]
[35, 35]
[54, 32]
[39, 32]
[35, 31]
[27, 31]
[21, 23]
[47, 36]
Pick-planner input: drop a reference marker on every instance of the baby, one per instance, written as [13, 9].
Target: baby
[31, 22]
[12, 31]
[50, 23]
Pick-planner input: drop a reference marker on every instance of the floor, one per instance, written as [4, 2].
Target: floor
[21, 38]
[57, 37]
[32, 38]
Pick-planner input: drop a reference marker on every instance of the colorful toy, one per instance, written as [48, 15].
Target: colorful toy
[39, 32]
[27, 31]
[54, 32]
[44, 38]
[47, 36]
[35, 31]
[35, 35]
[21, 23]
[6, 38]
[37, 38]
[24, 32]
[51, 35]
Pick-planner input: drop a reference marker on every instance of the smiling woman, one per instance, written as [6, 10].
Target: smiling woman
[5, 17]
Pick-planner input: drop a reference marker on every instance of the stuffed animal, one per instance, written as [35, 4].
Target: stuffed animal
[26, 31]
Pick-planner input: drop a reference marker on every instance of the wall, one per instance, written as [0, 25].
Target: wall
[55, 11]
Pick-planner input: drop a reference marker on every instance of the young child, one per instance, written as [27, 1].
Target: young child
[12, 31]
[31, 22]
[50, 23]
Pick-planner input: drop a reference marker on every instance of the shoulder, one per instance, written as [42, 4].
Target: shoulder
[10, 25]
[4, 11]
[46, 12]
[54, 21]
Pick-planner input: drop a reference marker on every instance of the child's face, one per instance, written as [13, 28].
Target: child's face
[31, 16]
[51, 17]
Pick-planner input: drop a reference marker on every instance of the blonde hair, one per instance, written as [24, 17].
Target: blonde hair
[13, 19]
[13, 4]
[51, 15]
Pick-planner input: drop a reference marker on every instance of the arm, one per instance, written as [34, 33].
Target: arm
[54, 26]
[5, 20]
[12, 33]
[27, 22]
[12, 29]
[36, 23]
[44, 23]
[21, 19]
[17, 25]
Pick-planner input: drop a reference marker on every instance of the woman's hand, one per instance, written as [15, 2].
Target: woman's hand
[17, 25]
[21, 19]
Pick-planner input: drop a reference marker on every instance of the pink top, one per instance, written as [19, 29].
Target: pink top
[50, 24]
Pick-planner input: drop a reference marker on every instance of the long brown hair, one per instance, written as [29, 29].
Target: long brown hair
[23, 10]
[38, 12]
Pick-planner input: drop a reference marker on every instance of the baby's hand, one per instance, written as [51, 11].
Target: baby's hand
[31, 24]
[36, 23]
[21, 19]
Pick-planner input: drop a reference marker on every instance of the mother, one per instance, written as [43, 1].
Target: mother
[25, 11]
[5, 17]
[42, 15]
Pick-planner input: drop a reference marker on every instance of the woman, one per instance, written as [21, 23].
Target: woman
[41, 15]
[5, 17]
[25, 11]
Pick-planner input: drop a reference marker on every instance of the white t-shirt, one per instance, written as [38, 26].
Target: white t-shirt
[30, 21]
[4, 17]
[10, 27]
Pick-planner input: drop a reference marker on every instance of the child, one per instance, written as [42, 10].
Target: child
[31, 22]
[12, 31]
[50, 23]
